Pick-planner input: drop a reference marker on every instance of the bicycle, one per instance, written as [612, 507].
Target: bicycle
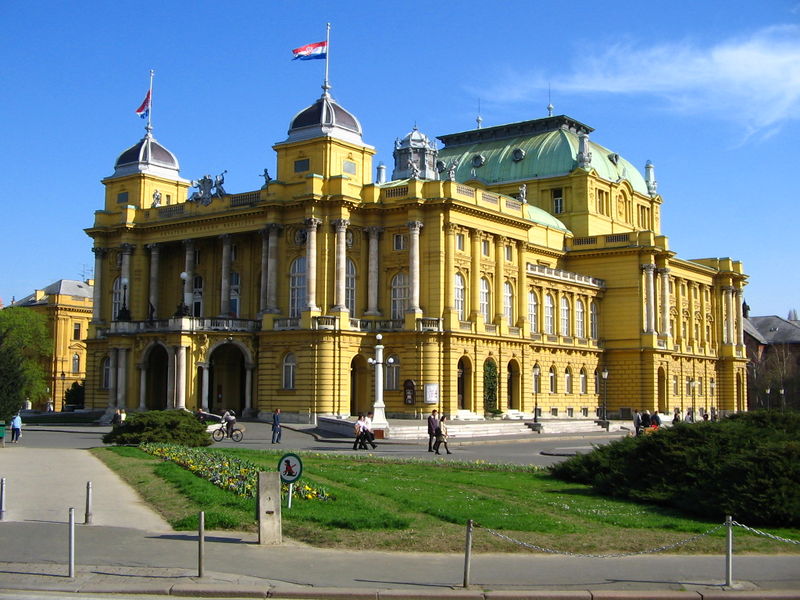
[219, 434]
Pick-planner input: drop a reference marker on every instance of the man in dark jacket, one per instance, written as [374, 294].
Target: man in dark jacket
[433, 425]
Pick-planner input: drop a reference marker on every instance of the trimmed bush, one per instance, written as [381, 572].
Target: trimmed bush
[747, 466]
[162, 427]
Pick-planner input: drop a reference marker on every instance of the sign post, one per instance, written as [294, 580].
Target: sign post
[290, 468]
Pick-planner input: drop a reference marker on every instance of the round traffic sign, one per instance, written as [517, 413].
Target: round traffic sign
[290, 468]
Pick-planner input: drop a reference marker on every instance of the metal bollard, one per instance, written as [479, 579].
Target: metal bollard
[71, 543]
[201, 540]
[87, 519]
[2, 498]
[729, 552]
[467, 553]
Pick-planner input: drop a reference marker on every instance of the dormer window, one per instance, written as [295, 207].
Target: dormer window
[349, 167]
[301, 166]
[122, 198]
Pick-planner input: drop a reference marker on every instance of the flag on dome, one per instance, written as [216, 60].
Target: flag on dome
[144, 109]
[311, 51]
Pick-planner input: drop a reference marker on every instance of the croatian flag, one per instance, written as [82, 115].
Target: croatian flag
[311, 51]
[144, 110]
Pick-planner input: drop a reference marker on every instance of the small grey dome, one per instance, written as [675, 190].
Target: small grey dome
[325, 118]
[147, 156]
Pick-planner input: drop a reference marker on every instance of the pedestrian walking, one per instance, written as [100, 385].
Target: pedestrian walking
[369, 435]
[358, 430]
[676, 417]
[433, 423]
[16, 428]
[276, 426]
[637, 422]
[441, 436]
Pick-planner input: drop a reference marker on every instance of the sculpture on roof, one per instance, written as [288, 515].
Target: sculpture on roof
[523, 194]
[267, 179]
[156, 198]
[413, 169]
[208, 189]
[451, 170]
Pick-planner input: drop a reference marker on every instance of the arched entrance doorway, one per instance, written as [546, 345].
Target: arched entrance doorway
[464, 384]
[226, 380]
[359, 386]
[512, 386]
[157, 365]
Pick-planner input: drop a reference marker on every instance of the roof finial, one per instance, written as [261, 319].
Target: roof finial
[549, 102]
[479, 119]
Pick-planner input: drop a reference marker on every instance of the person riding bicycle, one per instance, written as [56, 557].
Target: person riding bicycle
[229, 419]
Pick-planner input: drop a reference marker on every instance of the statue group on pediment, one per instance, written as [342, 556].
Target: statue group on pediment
[208, 189]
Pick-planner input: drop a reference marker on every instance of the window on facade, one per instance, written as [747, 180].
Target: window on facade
[602, 205]
[116, 298]
[509, 254]
[552, 380]
[234, 252]
[485, 247]
[557, 195]
[197, 296]
[76, 331]
[593, 321]
[105, 374]
[399, 241]
[122, 198]
[234, 294]
[196, 257]
[289, 371]
[549, 324]
[485, 299]
[393, 372]
[460, 242]
[459, 296]
[568, 380]
[533, 311]
[580, 320]
[399, 295]
[349, 167]
[584, 385]
[302, 165]
[700, 388]
[674, 385]
[688, 386]
[564, 316]
[350, 286]
[76, 363]
[508, 302]
[297, 287]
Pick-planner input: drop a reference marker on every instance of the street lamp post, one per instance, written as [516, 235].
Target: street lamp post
[767, 391]
[536, 372]
[379, 408]
[604, 375]
[694, 384]
[124, 314]
[63, 390]
[783, 404]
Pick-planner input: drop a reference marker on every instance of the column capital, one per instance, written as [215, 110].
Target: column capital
[451, 228]
[664, 271]
[127, 248]
[648, 268]
[415, 226]
[225, 237]
[340, 224]
[312, 223]
[99, 251]
[271, 227]
[373, 231]
[188, 243]
[153, 247]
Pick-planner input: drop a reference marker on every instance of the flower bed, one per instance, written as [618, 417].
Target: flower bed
[227, 472]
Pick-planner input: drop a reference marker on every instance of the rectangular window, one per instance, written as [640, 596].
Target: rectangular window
[302, 165]
[76, 331]
[558, 200]
[485, 247]
[509, 254]
[399, 241]
[460, 242]
[196, 257]
[349, 167]
[122, 198]
[674, 385]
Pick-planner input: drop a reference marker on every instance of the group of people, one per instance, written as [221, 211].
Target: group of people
[644, 421]
[119, 417]
[437, 432]
[363, 432]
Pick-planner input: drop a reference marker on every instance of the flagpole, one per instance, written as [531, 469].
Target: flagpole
[326, 86]
[149, 127]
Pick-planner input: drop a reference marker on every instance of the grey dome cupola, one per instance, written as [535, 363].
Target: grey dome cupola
[415, 157]
[325, 118]
[147, 156]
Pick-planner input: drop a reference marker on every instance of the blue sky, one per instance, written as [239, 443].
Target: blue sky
[709, 91]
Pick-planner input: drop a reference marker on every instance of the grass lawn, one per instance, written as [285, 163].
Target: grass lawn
[388, 504]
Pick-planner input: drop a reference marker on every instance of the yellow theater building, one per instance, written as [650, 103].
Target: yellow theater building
[514, 268]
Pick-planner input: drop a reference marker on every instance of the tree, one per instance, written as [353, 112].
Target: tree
[490, 385]
[74, 396]
[11, 380]
[24, 335]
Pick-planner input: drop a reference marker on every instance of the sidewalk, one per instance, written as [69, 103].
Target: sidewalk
[145, 557]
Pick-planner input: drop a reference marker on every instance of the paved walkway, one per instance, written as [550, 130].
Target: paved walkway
[130, 549]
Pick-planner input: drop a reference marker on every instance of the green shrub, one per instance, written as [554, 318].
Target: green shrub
[164, 427]
[747, 465]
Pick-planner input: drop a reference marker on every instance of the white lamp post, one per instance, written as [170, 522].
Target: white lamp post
[379, 408]
[604, 375]
[536, 372]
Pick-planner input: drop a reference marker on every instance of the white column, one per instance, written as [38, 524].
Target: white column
[729, 315]
[125, 273]
[152, 310]
[204, 388]
[262, 292]
[225, 300]
[311, 262]
[142, 387]
[340, 226]
[99, 254]
[248, 387]
[649, 312]
[188, 267]
[272, 267]
[112, 377]
[498, 296]
[180, 377]
[414, 228]
[372, 280]
[522, 289]
[122, 370]
[665, 299]
[739, 317]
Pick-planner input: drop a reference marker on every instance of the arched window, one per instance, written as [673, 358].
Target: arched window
[459, 296]
[289, 371]
[297, 287]
[533, 311]
[549, 324]
[580, 320]
[393, 372]
[234, 294]
[553, 386]
[197, 296]
[593, 325]
[350, 286]
[485, 298]
[508, 302]
[564, 329]
[76, 363]
[399, 296]
[583, 382]
[105, 374]
[568, 380]
[116, 298]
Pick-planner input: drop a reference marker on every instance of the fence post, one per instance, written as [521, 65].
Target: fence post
[87, 519]
[71, 543]
[467, 553]
[2, 498]
[201, 540]
[729, 552]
